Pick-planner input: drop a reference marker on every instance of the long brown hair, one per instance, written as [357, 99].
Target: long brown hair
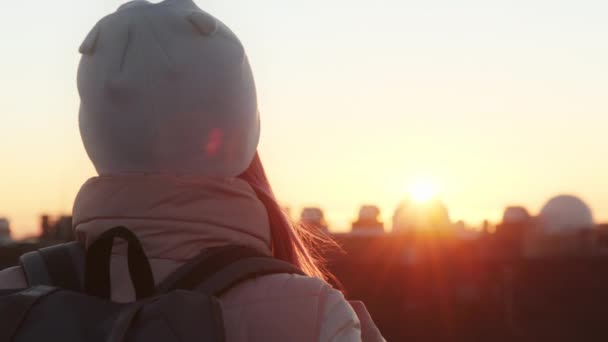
[294, 243]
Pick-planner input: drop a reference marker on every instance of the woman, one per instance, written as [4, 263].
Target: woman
[169, 118]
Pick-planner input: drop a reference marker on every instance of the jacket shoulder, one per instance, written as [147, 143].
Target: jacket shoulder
[290, 307]
[278, 287]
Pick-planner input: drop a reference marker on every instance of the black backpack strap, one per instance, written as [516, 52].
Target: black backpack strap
[217, 270]
[35, 270]
[60, 266]
[97, 280]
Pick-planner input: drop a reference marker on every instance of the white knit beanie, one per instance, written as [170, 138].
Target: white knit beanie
[166, 88]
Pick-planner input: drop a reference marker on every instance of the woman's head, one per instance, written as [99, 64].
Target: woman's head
[166, 88]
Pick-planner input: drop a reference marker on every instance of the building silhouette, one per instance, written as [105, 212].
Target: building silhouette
[5, 232]
[314, 217]
[510, 234]
[564, 227]
[368, 221]
[413, 217]
[59, 229]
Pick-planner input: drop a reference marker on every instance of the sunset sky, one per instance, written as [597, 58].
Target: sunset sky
[494, 102]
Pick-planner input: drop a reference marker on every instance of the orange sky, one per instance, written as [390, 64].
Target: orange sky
[498, 104]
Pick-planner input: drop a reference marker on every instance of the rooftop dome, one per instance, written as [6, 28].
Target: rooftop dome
[566, 213]
[314, 217]
[412, 216]
[369, 213]
[514, 215]
[369, 220]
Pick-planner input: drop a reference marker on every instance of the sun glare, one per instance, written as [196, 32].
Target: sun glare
[423, 191]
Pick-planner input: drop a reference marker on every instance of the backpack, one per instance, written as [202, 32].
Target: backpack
[69, 295]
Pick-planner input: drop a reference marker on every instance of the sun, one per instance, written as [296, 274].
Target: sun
[423, 191]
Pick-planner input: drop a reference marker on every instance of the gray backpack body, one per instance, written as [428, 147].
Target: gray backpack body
[69, 295]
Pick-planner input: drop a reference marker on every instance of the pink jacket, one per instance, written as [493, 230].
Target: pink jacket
[175, 218]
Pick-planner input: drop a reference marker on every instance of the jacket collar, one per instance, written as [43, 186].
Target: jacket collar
[174, 217]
